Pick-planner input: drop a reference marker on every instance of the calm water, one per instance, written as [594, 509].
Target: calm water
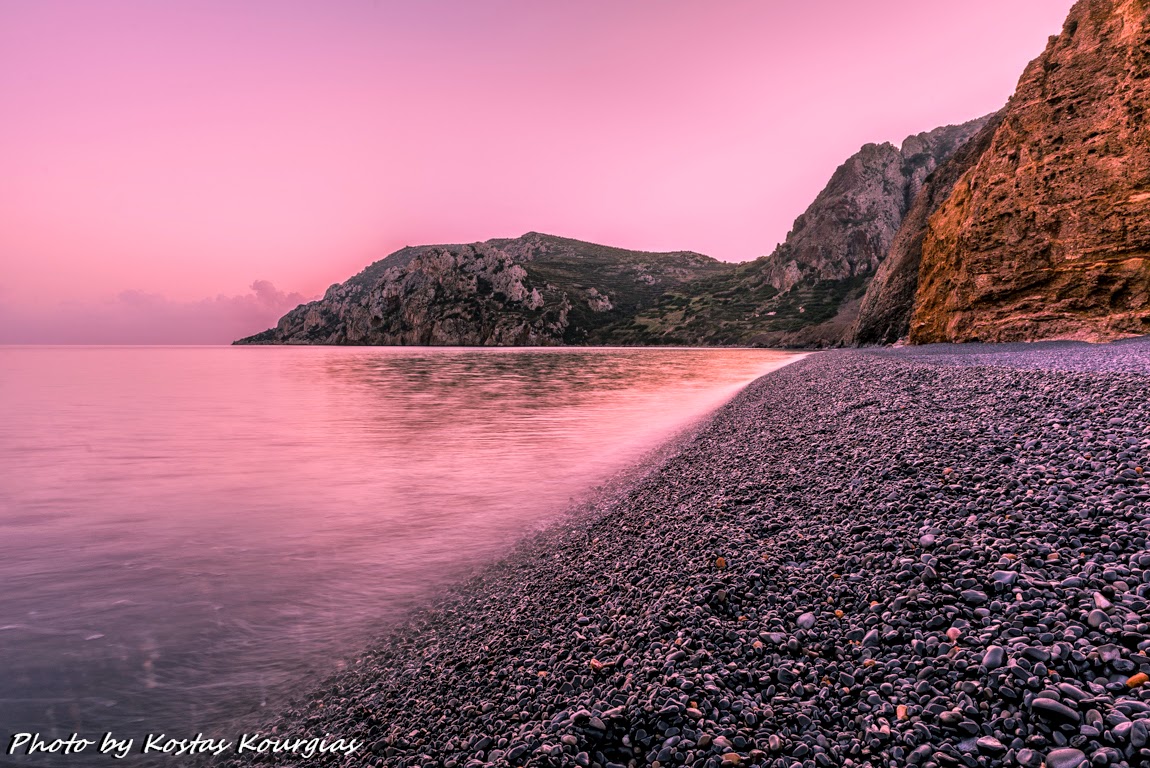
[188, 531]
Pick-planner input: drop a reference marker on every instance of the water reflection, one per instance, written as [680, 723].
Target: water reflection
[186, 530]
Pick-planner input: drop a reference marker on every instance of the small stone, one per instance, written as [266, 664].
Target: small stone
[1109, 653]
[920, 754]
[732, 758]
[1004, 579]
[806, 621]
[990, 745]
[1101, 602]
[994, 657]
[1054, 710]
[1096, 618]
[1035, 654]
[1065, 758]
[1137, 680]
[900, 712]
[973, 596]
[721, 563]
[1028, 758]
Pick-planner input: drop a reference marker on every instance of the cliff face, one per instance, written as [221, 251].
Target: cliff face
[807, 292]
[533, 290]
[1048, 235]
[884, 316]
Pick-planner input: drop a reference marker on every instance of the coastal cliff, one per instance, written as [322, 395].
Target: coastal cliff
[1048, 235]
[535, 290]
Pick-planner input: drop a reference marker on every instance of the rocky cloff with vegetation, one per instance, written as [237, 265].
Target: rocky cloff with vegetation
[533, 290]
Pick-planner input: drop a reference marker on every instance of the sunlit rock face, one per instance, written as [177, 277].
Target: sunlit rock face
[535, 290]
[1048, 235]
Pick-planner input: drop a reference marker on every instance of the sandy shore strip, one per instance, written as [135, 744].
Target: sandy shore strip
[926, 557]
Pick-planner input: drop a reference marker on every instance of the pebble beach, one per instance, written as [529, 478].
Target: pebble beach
[915, 557]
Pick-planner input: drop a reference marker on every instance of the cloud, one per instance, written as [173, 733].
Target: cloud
[138, 317]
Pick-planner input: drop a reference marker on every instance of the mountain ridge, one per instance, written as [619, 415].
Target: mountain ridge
[1032, 223]
[536, 289]
[541, 289]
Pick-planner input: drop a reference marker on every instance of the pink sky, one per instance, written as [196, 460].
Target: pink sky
[170, 154]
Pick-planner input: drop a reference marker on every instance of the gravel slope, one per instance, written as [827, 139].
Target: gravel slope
[914, 557]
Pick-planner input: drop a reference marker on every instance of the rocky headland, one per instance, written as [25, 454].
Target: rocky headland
[939, 560]
[535, 290]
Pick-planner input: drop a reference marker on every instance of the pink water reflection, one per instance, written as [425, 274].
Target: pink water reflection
[186, 529]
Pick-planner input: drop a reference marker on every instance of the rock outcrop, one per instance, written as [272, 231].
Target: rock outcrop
[847, 231]
[884, 316]
[1048, 235]
[529, 291]
[807, 292]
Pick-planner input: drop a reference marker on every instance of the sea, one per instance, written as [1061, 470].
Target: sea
[189, 535]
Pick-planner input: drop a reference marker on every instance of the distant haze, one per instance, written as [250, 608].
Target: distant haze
[186, 171]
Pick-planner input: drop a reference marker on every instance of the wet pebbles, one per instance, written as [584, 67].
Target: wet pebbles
[867, 559]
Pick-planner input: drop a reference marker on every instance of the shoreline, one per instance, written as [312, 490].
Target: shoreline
[855, 561]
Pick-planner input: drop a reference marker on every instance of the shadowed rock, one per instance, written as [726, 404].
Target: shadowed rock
[884, 316]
